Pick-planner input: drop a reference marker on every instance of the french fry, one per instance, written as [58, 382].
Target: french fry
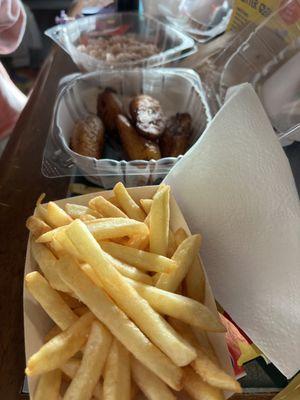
[70, 369]
[184, 256]
[159, 222]
[48, 386]
[131, 208]
[138, 258]
[113, 200]
[50, 300]
[106, 208]
[195, 278]
[105, 228]
[198, 389]
[58, 350]
[87, 218]
[179, 307]
[57, 216]
[146, 204]
[92, 363]
[125, 269]
[119, 324]
[155, 327]
[206, 365]
[140, 242]
[153, 387]
[116, 378]
[47, 263]
[77, 210]
[37, 226]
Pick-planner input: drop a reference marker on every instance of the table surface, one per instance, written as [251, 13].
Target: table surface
[21, 182]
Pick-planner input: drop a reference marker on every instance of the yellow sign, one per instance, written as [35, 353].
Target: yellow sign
[286, 21]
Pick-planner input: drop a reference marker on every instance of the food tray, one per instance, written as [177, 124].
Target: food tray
[172, 43]
[37, 323]
[178, 90]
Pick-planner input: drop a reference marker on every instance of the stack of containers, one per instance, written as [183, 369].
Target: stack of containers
[177, 89]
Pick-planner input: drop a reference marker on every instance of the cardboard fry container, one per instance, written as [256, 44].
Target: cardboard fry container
[37, 323]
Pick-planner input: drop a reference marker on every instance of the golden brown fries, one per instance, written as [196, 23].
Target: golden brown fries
[37, 226]
[131, 208]
[159, 222]
[198, 389]
[47, 263]
[106, 208]
[155, 327]
[70, 369]
[119, 324]
[205, 364]
[146, 204]
[116, 382]
[56, 215]
[50, 300]
[184, 256]
[48, 386]
[195, 278]
[178, 306]
[149, 383]
[62, 347]
[92, 363]
[138, 258]
[127, 300]
[77, 211]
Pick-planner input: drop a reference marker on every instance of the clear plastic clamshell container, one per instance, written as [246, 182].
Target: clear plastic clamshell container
[267, 56]
[178, 90]
[171, 43]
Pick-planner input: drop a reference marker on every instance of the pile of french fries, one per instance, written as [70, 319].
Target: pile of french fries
[126, 295]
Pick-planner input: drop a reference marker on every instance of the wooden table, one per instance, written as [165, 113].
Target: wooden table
[21, 182]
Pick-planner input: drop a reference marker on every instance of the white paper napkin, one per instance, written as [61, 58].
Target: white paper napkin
[236, 187]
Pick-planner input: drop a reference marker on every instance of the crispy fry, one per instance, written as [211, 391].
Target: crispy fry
[57, 216]
[140, 242]
[146, 204]
[113, 200]
[178, 306]
[87, 217]
[77, 210]
[184, 256]
[106, 208]
[80, 311]
[50, 300]
[105, 228]
[47, 263]
[149, 383]
[159, 222]
[198, 389]
[195, 278]
[119, 324]
[138, 258]
[37, 226]
[116, 383]
[48, 386]
[58, 350]
[92, 363]
[155, 327]
[70, 369]
[127, 203]
[205, 365]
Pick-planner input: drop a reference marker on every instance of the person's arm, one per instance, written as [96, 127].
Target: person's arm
[12, 25]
